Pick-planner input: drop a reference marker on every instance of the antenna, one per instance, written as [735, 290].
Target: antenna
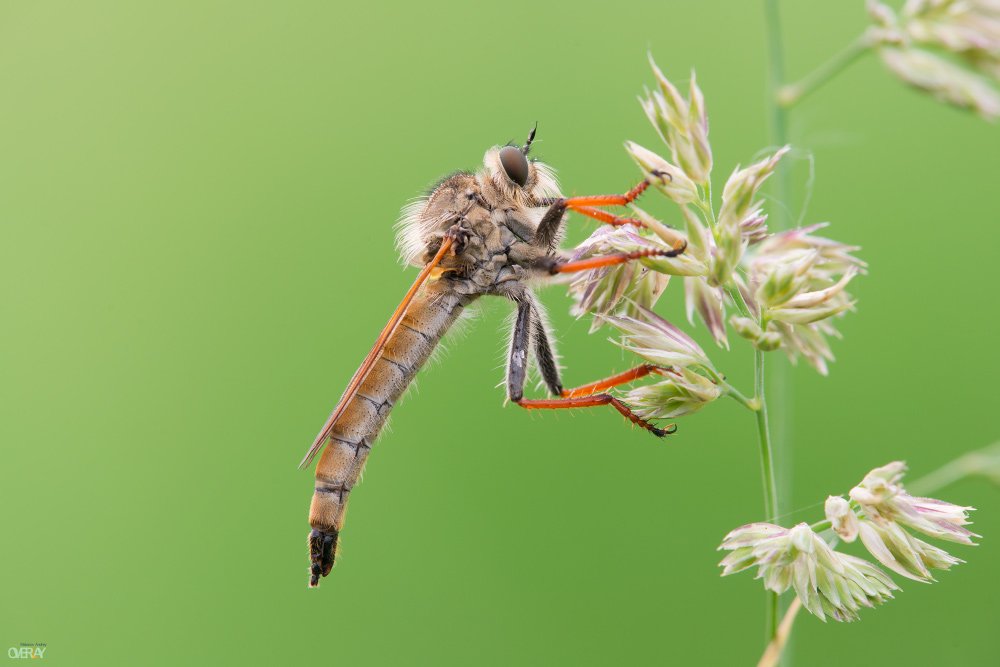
[531, 137]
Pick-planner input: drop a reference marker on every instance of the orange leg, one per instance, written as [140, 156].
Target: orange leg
[549, 226]
[612, 260]
[609, 218]
[594, 401]
[607, 200]
[615, 380]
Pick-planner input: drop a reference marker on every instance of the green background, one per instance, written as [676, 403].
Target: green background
[197, 206]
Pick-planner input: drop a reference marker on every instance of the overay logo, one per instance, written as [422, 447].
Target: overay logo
[27, 651]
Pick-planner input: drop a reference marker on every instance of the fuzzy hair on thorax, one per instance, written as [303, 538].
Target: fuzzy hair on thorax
[487, 197]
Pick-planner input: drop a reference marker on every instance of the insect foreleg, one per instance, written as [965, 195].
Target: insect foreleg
[607, 200]
[458, 235]
[548, 227]
[612, 200]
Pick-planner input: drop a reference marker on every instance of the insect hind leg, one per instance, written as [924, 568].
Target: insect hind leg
[593, 401]
[517, 367]
[322, 552]
[626, 377]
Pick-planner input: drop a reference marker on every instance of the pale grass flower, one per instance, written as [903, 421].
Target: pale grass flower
[739, 206]
[691, 262]
[809, 341]
[842, 518]
[666, 177]
[750, 329]
[968, 30]
[709, 303]
[706, 300]
[682, 393]
[604, 290]
[833, 257]
[798, 280]
[746, 327]
[827, 582]
[658, 341]
[715, 245]
[883, 499]
[639, 283]
[754, 227]
[944, 81]
[886, 509]
[681, 123]
[901, 552]
[879, 512]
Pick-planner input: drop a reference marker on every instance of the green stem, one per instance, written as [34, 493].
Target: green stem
[708, 198]
[777, 113]
[767, 477]
[790, 95]
[779, 377]
[748, 403]
[820, 526]
[764, 434]
[736, 394]
[985, 461]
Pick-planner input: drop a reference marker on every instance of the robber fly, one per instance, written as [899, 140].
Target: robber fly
[493, 232]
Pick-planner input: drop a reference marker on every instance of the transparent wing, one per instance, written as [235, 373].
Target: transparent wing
[375, 353]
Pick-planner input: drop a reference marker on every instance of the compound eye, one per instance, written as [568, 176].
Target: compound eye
[515, 164]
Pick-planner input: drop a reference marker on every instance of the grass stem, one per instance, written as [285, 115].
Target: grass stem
[780, 381]
[789, 95]
[767, 477]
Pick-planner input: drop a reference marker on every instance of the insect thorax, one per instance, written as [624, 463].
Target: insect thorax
[499, 214]
[498, 227]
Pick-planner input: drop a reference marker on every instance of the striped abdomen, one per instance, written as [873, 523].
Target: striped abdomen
[428, 317]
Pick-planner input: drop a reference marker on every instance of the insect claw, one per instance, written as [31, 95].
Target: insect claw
[678, 248]
[661, 432]
[662, 175]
